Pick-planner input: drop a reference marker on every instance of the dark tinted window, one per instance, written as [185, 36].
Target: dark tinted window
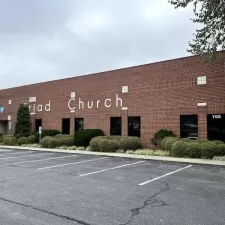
[115, 126]
[38, 123]
[66, 126]
[79, 124]
[188, 126]
[216, 127]
[134, 126]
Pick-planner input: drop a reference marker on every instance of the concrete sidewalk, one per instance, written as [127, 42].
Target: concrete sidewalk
[158, 158]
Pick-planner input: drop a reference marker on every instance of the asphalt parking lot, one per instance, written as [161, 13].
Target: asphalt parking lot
[45, 188]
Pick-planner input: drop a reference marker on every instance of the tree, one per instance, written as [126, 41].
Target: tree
[211, 14]
[23, 123]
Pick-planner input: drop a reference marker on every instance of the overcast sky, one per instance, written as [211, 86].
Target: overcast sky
[42, 40]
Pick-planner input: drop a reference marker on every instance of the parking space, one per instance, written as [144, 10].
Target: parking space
[85, 189]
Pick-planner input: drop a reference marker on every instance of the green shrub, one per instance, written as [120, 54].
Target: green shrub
[217, 142]
[130, 143]
[115, 143]
[201, 141]
[208, 150]
[106, 145]
[5, 136]
[45, 141]
[31, 139]
[220, 158]
[68, 141]
[168, 144]
[54, 142]
[164, 141]
[130, 152]
[83, 137]
[22, 141]
[1, 137]
[50, 133]
[220, 150]
[178, 149]
[160, 135]
[10, 141]
[94, 143]
[188, 140]
[58, 142]
[88, 148]
[62, 136]
[193, 150]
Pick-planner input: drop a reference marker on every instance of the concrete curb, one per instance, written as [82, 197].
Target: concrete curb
[157, 158]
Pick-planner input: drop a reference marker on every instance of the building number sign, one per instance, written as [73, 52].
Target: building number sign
[216, 116]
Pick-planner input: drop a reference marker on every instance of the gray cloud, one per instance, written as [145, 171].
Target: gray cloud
[44, 40]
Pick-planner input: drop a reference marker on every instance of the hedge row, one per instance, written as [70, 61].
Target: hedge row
[193, 148]
[114, 143]
[57, 141]
[12, 140]
[9, 140]
[27, 140]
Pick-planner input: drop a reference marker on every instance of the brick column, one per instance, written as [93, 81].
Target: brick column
[32, 118]
[202, 123]
[72, 123]
[124, 116]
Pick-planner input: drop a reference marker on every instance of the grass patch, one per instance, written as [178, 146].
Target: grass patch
[151, 152]
[130, 152]
[120, 151]
[31, 145]
[219, 158]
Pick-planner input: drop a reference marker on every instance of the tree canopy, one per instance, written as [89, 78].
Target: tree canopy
[211, 37]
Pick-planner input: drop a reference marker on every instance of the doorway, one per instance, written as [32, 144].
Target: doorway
[134, 126]
[3, 126]
[66, 126]
[216, 127]
[38, 123]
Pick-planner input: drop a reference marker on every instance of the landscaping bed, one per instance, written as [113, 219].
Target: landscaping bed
[95, 140]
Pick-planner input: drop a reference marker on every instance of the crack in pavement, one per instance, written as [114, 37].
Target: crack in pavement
[47, 212]
[152, 201]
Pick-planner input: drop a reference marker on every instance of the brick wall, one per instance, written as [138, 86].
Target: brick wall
[158, 92]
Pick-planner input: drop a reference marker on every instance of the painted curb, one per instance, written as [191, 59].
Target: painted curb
[122, 155]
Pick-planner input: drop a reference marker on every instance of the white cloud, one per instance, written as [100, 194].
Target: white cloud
[44, 40]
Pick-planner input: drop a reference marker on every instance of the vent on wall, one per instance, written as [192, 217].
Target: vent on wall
[201, 80]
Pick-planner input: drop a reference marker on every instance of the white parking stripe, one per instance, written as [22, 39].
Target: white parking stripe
[39, 160]
[167, 174]
[113, 168]
[49, 167]
[24, 156]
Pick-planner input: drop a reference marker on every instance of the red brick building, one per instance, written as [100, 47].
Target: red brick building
[184, 95]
